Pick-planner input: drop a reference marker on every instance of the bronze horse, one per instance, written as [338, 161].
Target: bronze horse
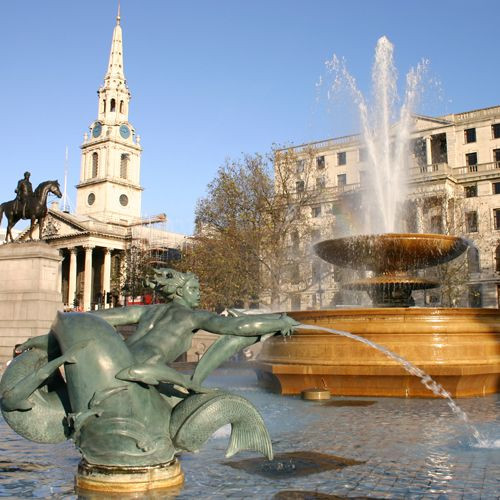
[36, 208]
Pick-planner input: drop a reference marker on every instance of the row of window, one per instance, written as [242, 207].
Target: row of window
[472, 221]
[321, 183]
[470, 133]
[471, 190]
[112, 106]
[469, 137]
[124, 165]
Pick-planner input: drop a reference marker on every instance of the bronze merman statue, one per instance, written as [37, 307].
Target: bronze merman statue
[119, 401]
[165, 331]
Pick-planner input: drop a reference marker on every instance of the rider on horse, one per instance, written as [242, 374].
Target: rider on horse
[24, 191]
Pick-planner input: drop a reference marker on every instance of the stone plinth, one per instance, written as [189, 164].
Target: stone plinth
[30, 292]
[122, 480]
[459, 348]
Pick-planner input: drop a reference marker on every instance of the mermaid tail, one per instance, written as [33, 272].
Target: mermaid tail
[196, 418]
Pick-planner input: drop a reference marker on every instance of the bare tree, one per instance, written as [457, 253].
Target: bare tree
[249, 225]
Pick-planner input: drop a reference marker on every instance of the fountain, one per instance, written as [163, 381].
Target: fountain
[457, 347]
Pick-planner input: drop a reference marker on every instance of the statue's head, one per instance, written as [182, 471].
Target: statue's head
[175, 285]
[27, 175]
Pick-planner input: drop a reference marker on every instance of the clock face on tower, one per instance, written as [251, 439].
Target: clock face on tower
[96, 131]
[124, 131]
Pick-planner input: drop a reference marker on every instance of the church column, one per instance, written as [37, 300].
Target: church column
[106, 279]
[87, 284]
[72, 275]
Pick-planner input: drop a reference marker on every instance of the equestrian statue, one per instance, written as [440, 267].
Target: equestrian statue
[28, 204]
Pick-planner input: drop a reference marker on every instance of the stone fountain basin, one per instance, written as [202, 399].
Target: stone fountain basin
[458, 347]
[392, 252]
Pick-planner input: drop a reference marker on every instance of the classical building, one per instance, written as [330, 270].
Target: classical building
[453, 187]
[107, 220]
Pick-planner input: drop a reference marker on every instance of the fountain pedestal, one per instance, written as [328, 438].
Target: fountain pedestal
[457, 347]
[113, 479]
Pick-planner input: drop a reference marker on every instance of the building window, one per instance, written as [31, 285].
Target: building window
[497, 259]
[496, 188]
[316, 272]
[496, 157]
[471, 222]
[316, 211]
[113, 105]
[320, 162]
[496, 218]
[436, 224]
[104, 105]
[470, 135]
[473, 262]
[315, 235]
[299, 166]
[470, 191]
[95, 164]
[471, 161]
[341, 180]
[320, 182]
[420, 151]
[299, 186]
[362, 154]
[495, 129]
[341, 158]
[295, 273]
[122, 107]
[295, 302]
[475, 296]
[124, 161]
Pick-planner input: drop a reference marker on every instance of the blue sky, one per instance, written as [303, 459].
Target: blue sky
[213, 80]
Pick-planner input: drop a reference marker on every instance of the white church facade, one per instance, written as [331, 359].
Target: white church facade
[107, 219]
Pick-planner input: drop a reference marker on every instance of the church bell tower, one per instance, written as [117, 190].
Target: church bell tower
[109, 189]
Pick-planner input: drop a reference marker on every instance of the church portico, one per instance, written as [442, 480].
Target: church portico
[87, 275]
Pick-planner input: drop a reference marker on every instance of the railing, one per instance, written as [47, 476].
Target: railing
[476, 169]
[328, 143]
[432, 170]
[479, 113]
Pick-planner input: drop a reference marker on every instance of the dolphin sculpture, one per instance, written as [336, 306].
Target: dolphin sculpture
[111, 404]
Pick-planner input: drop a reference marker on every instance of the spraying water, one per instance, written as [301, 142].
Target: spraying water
[386, 134]
[425, 378]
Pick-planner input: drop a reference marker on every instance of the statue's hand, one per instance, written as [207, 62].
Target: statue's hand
[289, 324]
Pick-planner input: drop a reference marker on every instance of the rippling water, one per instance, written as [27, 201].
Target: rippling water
[410, 448]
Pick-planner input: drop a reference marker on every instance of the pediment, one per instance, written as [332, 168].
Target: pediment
[422, 122]
[56, 225]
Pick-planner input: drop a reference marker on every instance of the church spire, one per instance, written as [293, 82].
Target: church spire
[115, 66]
[114, 95]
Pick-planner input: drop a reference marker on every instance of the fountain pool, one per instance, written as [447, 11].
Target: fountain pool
[403, 448]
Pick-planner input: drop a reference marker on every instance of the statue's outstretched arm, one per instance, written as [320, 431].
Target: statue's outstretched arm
[247, 325]
[122, 315]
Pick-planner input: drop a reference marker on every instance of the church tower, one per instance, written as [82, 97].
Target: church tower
[109, 187]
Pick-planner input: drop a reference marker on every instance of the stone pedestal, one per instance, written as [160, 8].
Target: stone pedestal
[122, 480]
[30, 292]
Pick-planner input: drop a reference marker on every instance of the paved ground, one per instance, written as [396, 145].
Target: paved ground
[412, 448]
